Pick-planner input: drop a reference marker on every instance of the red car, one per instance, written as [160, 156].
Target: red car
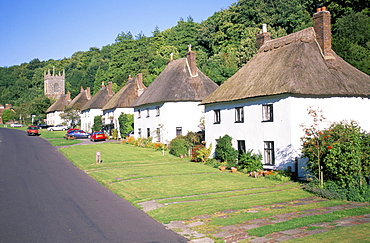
[33, 130]
[98, 136]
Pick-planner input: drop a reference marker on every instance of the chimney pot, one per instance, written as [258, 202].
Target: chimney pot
[263, 36]
[323, 8]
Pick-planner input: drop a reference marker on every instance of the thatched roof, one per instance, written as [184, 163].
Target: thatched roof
[60, 104]
[127, 95]
[81, 99]
[295, 65]
[180, 81]
[100, 99]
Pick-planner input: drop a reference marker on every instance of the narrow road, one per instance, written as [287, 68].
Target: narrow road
[44, 198]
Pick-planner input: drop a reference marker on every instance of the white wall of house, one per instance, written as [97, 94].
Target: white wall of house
[111, 116]
[53, 118]
[289, 114]
[169, 117]
[87, 118]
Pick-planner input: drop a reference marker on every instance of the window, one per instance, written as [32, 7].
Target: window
[148, 132]
[269, 153]
[239, 115]
[138, 113]
[157, 111]
[241, 146]
[178, 131]
[267, 113]
[158, 132]
[217, 119]
[56, 87]
[139, 132]
[147, 112]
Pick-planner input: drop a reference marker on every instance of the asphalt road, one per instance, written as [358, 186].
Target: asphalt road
[44, 198]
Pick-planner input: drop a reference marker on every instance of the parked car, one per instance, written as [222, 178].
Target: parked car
[72, 129]
[33, 130]
[16, 125]
[98, 136]
[57, 128]
[43, 126]
[78, 134]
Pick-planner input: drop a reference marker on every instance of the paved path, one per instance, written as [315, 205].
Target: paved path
[237, 233]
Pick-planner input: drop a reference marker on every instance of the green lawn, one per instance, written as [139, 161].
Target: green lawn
[186, 189]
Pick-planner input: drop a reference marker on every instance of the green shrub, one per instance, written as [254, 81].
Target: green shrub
[225, 151]
[115, 134]
[97, 123]
[249, 162]
[332, 190]
[276, 176]
[200, 153]
[178, 146]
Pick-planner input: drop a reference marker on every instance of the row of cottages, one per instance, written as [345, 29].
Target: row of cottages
[263, 106]
[169, 107]
[63, 103]
[121, 103]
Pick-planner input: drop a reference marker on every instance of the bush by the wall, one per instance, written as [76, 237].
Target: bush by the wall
[249, 162]
[178, 146]
[225, 151]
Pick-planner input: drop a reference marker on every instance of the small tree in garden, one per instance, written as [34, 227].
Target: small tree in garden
[97, 123]
[339, 153]
[225, 151]
[126, 123]
[179, 146]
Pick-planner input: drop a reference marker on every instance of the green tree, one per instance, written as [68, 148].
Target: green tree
[97, 123]
[126, 123]
[225, 151]
[8, 115]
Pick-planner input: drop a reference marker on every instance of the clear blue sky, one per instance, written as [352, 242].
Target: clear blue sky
[54, 29]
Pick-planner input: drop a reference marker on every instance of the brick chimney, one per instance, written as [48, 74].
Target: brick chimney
[263, 36]
[190, 57]
[88, 93]
[109, 88]
[68, 96]
[322, 26]
[140, 85]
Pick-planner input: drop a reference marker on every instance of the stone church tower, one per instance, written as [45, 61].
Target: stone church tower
[54, 84]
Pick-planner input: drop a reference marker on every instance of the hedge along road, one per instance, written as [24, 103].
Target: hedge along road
[44, 198]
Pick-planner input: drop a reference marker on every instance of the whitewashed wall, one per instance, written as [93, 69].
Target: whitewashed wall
[87, 118]
[186, 115]
[54, 118]
[115, 113]
[290, 113]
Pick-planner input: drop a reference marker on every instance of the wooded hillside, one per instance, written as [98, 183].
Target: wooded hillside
[224, 43]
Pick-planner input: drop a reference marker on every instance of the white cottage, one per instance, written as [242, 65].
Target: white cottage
[77, 103]
[94, 106]
[57, 108]
[170, 105]
[263, 106]
[121, 102]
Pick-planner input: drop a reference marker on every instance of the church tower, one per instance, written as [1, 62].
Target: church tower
[54, 84]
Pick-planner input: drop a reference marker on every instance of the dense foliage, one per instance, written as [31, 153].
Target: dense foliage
[126, 124]
[225, 151]
[249, 161]
[224, 43]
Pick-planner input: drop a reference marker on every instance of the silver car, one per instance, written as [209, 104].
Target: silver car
[58, 128]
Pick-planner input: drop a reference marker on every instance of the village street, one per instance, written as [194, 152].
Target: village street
[44, 198]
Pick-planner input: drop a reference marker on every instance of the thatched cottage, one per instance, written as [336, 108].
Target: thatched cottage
[58, 107]
[121, 102]
[170, 105]
[78, 102]
[263, 106]
[94, 106]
